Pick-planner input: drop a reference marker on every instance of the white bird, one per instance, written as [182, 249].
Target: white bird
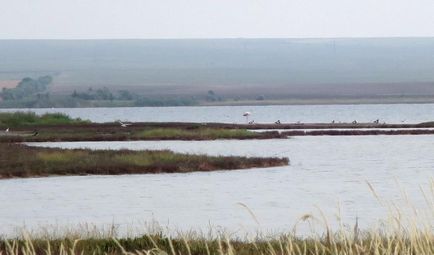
[124, 124]
[7, 130]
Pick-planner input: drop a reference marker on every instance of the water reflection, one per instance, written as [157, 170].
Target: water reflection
[324, 172]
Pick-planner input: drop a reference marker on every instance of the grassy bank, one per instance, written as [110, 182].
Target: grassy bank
[114, 132]
[23, 161]
[19, 119]
[366, 244]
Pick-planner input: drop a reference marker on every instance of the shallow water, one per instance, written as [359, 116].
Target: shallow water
[390, 113]
[325, 172]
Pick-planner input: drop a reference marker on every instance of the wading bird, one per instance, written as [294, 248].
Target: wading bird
[247, 114]
[7, 130]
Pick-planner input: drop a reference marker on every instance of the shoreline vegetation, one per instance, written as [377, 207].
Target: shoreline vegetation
[401, 242]
[20, 161]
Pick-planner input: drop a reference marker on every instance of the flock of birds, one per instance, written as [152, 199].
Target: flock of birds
[247, 114]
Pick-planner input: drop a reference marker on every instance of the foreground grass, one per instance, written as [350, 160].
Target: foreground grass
[16, 119]
[22, 161]
[368, 244]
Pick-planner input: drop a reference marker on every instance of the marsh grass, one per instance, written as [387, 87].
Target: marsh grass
[23, 161]
[16, 119]
[201, 133]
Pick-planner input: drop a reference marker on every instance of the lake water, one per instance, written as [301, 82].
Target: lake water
[390, 113]
[325, 172]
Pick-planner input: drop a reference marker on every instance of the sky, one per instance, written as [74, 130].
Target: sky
[99, 19]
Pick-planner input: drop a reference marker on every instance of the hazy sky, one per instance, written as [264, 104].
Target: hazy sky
[214, 18]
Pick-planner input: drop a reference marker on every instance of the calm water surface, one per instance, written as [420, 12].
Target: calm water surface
[390, 113]
[325, 172]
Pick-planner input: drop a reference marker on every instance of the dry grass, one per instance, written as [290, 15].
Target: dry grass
[402, 242]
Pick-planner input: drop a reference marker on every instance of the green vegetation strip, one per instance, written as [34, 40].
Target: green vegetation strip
[22, 161]
[17, 119]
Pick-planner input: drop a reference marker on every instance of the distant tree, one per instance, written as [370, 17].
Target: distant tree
[27, 87]
[74, 94]
[211, 96]
[103, 94]
[125, 95]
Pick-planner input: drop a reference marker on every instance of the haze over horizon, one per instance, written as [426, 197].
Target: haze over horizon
[277, 49]
[151, 19]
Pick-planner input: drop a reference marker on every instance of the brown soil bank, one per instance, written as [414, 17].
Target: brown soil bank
[356, 132]
[22, 161]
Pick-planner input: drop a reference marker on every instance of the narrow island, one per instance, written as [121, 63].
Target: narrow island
[19, 161]
[56, 127]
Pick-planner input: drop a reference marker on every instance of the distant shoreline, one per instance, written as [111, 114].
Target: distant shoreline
[283, 102]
